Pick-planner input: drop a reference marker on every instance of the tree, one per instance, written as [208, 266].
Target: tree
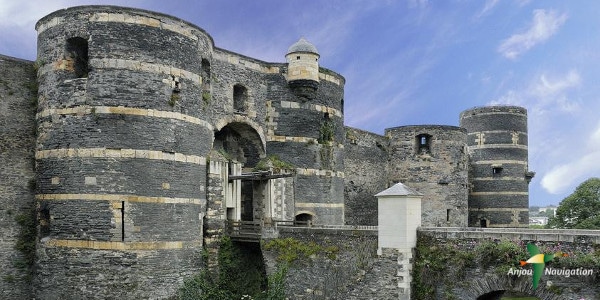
[581, 209]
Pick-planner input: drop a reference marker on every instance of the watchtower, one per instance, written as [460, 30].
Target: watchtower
[498, 173]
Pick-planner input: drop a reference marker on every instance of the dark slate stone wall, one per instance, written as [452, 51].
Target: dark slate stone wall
[142, 92]
[17, 141]
[441, 175]
[365, 160]
[497, 138]
[115, 274]
[336, 276]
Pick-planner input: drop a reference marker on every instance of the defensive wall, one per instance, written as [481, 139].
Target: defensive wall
[18, 94]
[353, 270]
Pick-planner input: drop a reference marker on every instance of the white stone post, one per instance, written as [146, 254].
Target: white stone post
[399, 216]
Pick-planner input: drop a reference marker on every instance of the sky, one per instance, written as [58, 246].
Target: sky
[414, 62]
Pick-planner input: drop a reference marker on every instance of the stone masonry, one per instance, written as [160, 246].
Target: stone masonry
[146, 138]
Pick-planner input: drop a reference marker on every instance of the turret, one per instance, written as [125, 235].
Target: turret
[303, 66]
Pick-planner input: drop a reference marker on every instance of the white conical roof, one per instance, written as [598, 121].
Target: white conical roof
[302, 45]
[399, 189]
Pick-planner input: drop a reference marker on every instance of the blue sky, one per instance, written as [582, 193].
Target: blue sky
[417, 62]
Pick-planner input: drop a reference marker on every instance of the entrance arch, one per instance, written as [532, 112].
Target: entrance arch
[243, 147]
[241, 142]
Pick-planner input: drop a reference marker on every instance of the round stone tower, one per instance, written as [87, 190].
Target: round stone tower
[498, 172]
[433, 160]
[303, 65]
[120, 154]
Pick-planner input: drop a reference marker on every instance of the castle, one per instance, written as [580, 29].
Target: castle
[147, 138]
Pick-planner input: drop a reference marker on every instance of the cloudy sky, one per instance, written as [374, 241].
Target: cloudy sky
[417, 62]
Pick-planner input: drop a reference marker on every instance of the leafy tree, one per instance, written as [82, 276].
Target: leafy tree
[580, 210]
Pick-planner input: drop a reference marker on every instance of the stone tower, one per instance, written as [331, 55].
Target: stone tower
[499, 175]
[306, 128]
[119, 165]
[303, 65]
[433, 160]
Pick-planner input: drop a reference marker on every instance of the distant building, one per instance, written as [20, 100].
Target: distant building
[538, 220]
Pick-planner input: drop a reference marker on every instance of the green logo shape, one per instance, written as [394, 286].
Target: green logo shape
[538, 260]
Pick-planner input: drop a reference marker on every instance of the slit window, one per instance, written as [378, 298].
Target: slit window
[205, 74]
[122, 220]
[447, 215]
[497, 170]
[240, 97]
[77, 55]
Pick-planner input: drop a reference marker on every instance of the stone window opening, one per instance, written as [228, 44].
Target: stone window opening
[205, 74]
[447, 215]
[483, 223]
[240, 97]
[122, 221]
[77, 55]
[297, 57]
[176, 86]
[496, 170]
[304, 219]
[423, 143]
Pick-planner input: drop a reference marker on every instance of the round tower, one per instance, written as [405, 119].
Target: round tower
[433, 160]
[498, 171]
[303, 66]
[121, 152]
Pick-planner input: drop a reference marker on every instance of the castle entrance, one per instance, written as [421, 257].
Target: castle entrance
[242, 146]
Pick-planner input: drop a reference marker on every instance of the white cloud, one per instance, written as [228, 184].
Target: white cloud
[544, 25]
[545, 93]
[561, 148]
[26, 13]
[487, 8]
[561, 178]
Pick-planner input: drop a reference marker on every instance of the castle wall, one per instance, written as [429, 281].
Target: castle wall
[498, 154]
[121, 153]
[436, 167]
[365, 162]
[18, 96]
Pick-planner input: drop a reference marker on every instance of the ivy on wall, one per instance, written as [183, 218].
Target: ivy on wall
[443, 264]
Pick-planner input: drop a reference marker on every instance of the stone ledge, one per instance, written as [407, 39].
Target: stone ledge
[119, 153]
[120, 197]
[121, 110]
[107, 245]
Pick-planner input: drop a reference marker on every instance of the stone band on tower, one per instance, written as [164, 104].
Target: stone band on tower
[499, 174]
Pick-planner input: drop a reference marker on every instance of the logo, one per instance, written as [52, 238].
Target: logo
[538, 260]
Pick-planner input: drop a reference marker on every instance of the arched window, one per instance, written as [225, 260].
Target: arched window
[304, 219]
[240, 97]
[423, 143]
[77, 54]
